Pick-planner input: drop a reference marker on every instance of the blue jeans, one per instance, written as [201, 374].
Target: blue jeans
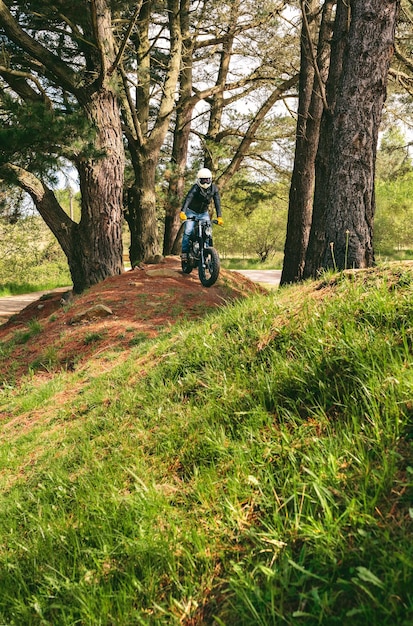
[189, 227]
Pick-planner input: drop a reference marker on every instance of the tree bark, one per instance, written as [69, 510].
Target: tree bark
[101, 186]
[184, 110]
[176, 188]
[141, 214]
[350, 201]
[317, 236]
[94, 246]
[313, 75]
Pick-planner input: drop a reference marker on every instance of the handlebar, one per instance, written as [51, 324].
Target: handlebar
[196, 219]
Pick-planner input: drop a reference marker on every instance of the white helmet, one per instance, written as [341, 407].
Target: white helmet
[204, 178]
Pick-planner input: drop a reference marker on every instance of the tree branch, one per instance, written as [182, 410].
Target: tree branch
[251, 132]
[125, 39]
[45, 201]
[130, 110]
[313, 56]
[65, 75]
[19, 82]
[170, 85]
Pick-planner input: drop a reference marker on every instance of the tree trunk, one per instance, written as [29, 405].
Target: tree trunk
[311, 105]
[141, 214]
[145, 139]
[98, 253]
[302, 179]
[184, 110]
[176, 188]
[362, 91]
[317, 236]
[177, 177]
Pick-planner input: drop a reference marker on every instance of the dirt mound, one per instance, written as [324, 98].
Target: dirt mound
[53, 333]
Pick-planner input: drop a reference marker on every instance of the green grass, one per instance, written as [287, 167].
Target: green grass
[17, 289]
[19, 337]
[394, 254]
[44, 277]
[252, 468]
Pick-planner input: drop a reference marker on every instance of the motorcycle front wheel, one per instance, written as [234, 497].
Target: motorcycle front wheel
[208, 271]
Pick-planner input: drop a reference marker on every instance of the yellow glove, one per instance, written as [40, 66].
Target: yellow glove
[182, 216]
[220, 221]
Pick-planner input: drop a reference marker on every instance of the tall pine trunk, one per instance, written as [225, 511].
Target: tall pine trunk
[301, 178]
[141, 214]
[311, 105]
[93, 247]
[317, 236]
[176, 187]
[350, 200]
[96, 250]
[184, 111]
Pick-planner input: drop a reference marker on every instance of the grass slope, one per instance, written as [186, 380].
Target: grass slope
[255, 467]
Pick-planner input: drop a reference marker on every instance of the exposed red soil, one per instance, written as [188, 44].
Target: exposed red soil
[144, 302]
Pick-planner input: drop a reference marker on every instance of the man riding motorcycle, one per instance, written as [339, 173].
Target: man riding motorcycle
[196, 204]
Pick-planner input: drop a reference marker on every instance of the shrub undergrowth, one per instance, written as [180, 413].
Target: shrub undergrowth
[252, 468]
[43, 277]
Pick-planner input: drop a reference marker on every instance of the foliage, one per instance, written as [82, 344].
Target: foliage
[394, 189]
[30, 258]
[252, 263]
[12, 202]
[34, 136]
[70, 201]
[393, 159]
[255, 468]
[255, 217]
[394, 213]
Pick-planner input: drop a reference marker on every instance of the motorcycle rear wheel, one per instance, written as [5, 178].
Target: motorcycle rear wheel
[208, 271]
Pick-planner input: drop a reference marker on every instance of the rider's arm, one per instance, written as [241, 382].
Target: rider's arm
[217, 202]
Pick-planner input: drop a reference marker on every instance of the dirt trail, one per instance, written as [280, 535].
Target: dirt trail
[10, 305]
[142, 303]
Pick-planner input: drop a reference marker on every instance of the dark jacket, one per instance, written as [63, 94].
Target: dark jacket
[198, 199]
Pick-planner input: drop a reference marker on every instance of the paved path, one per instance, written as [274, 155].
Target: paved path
[271, 277]
[10, 305]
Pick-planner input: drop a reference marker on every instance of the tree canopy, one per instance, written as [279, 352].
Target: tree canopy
[164, 87]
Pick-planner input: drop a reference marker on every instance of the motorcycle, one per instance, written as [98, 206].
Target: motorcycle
[202, 253]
